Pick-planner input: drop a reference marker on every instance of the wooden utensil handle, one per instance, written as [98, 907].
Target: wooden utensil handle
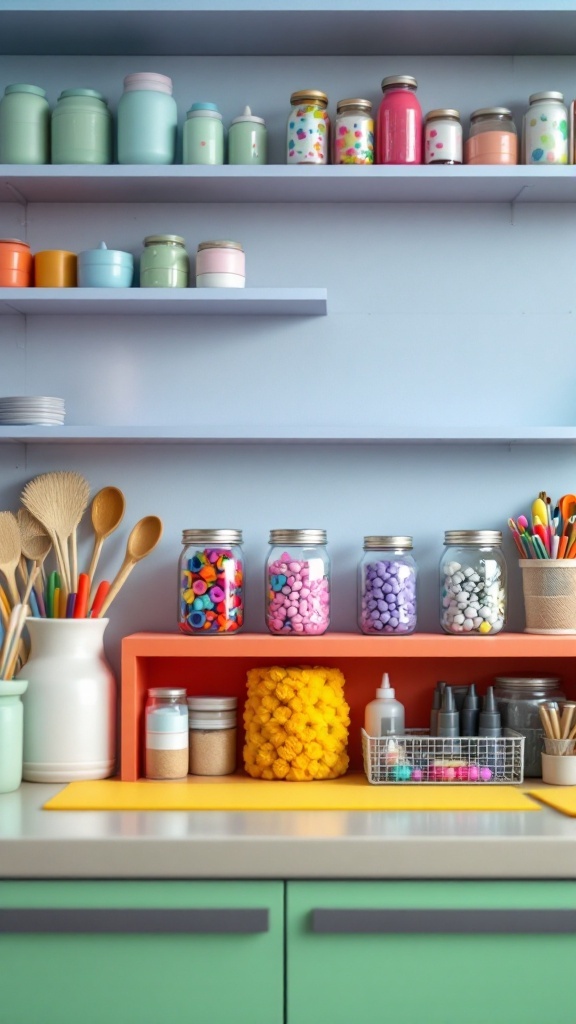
[117, 583]
[98, 542]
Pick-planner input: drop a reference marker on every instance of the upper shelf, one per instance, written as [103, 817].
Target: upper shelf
[164, 301]
[279, 183]
[288, 27]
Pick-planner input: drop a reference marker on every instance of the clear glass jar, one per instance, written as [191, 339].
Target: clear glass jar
[518, 702]
[399, 123]
[211, 582]
[308, 136]
[354, 132]
[387, 586]
[212, 723]
[298, 583]
[164, 262]
[166, 741]
[473, 583]
[492, 138]
[442, 137]
[545, 129]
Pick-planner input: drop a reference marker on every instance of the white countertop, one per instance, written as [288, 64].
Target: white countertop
[305, 844]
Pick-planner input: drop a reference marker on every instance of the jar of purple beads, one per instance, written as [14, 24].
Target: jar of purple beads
[387, 586]
[298, 583]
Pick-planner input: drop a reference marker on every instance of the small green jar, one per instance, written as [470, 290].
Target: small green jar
[247, 139]
[24, 125]
[203, 136]
[164, 262]
[81, 128]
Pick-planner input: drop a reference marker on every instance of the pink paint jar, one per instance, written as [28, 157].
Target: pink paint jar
[220, 265]
[492, 139]
[399, 123]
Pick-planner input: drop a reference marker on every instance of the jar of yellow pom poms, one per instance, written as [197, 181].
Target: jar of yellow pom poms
[296, 722]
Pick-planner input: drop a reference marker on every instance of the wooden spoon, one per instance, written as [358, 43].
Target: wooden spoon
[58, 500]
[34, 538]
[142, 540]
[107, 513]
[10, 552]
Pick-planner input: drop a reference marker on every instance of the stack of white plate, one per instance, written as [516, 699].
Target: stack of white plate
[36, 410]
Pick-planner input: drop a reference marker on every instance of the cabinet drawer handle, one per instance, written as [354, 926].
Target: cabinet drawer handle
[69, 921]
[443, 922]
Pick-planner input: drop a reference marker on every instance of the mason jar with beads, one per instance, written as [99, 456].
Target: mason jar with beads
[298, 583]
[308, 136]
[387, 586]
[354, 132]
[473, 595]
[442, 137]
[211, 582]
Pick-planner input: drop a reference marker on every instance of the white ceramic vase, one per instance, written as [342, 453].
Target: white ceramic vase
[70, 703]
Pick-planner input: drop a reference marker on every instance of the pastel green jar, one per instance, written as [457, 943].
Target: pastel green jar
[24, 125]
[164, 262]
[81, 128]
[147, 120]
[247, 139]
[11, 733]
[203, 141]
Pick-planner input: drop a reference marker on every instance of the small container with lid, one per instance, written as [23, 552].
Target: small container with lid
[354, 132]
[24, 125]
[212, 722]
[166, 740]
[81, 128]
[308, 134]
[473, 583]
[492, 138]
[387, 586]
[16, 264]
[147, 120]
[518, 702]
[545, 130]
[220, 264]
[247, 139]
[298, 583]
[442, 137]
[55, 268]
[211, 582]
[399, 122]
[164, 262]
[105, 268]
[203, 135]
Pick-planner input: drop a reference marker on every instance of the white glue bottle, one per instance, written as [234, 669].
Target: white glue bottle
[385, 715]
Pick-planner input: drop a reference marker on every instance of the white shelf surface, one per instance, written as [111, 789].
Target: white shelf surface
[164, 301]
[279, 183]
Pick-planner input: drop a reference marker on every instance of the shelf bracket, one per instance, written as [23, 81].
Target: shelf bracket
[517, 198]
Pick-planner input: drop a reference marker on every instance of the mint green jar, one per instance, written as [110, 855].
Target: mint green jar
[147, 120]
[247, 139]
[164, 262]
[11, 733]
[24, 125]
[203, 135]
[81, 128]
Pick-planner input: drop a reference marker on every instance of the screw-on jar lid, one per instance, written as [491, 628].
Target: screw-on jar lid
[35, 89]
[204, 110]
[164, 240]
[212, 703]
[374, 543]
[435, 115]
[13, 241]
[218, 537]
[167, 691]
[392, 80]
[557, 97]
[212, 713]
[301, 537]
[148, 80]
[488, 538]
[220, 244]
[490, 112]
[364, 106]
[516, 682]
[82, 92]
[248, 116]
[310, 96]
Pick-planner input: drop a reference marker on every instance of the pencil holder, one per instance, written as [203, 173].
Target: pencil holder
[549, 587]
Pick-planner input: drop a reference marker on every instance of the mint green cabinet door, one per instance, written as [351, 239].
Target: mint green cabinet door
[141, 952]
[431, 952]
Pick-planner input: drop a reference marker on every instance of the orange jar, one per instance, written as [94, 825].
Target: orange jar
[55, 268]
[15, 264]
[492, 138]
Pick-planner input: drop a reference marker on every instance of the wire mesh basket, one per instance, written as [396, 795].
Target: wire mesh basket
[418, 758]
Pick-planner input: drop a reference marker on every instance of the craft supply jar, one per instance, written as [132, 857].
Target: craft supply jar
[24, 125]
[545, 130]
[354, 132]
[220, 264]
[473, 583]
[442, 137]
[147, 120]
[81, 128]
[247, 139]
[212, 723]
[387, 586]
[492, 138]
[308, 140]
[166, 742]
[211, 582]
[203, 135]
[16, 263]
[518, 702]
[399, 122]
[298, 583]
[11, 733]
[164, 262]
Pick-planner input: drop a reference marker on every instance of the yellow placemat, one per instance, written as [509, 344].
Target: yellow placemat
[237, 793]
[561, 798]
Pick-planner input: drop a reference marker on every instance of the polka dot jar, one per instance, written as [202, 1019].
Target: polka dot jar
[211, 582]
[354, 132]
[473, 583]
[387, 586]
[545, 129]
[298, 583]
[308, 136]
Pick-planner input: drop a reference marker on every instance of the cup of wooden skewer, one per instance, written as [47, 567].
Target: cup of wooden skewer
[559, 761]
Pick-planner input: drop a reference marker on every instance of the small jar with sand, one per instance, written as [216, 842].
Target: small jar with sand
[212, 722]
[166, 734]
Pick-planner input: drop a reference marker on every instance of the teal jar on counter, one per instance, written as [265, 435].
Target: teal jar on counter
[24, 125]
[164, 262]
[81, 128]
[147, 120]
[247, 139]
[203, 135]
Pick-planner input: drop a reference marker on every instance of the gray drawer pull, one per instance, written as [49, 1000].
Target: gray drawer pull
[69, 921]
[443, 922]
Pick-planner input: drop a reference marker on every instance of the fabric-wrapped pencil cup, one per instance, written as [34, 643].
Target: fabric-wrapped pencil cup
[549, 587]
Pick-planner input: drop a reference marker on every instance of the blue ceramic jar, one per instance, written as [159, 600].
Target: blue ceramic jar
[147, 120]
[105, 268]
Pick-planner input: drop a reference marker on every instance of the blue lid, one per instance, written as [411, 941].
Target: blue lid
[25, 88]
[203, 106]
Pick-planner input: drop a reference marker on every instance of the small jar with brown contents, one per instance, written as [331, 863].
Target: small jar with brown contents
[166, 734]
[212, 722]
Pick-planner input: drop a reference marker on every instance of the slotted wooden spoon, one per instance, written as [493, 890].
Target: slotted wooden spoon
[10, 552]
[107, 513]
[58, 500]
[143, 539]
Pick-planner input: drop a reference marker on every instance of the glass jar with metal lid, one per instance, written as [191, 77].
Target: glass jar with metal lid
[164, 262]
[442, 137]
[492, 138]
[81, 128]
[166, 741]
[387, 586]
[545, 130]
[399, 122]
[220, 264]
[518, 702]
[308, 136]
[298, 583]
[354, 132]
[473, 583]
[211, 582]
[212, 722]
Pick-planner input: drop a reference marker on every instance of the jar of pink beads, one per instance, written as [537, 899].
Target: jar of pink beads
[399, 124]
[298, 583]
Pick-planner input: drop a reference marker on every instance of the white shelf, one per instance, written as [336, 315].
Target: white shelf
[164, 301]
[280, 183]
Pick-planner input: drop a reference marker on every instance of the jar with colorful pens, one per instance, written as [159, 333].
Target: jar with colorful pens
[547, 548]
[551, 530]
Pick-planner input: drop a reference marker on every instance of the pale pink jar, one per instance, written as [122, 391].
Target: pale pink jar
[220, 265]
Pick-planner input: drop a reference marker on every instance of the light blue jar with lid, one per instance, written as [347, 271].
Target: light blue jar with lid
[147, 120]
[24, 125]
[81, 128]
[203, 135]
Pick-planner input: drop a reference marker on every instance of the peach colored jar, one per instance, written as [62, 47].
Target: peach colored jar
[16, 263]
[492, 138]
[220, 265]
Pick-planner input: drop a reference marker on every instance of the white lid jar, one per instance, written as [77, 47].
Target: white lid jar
[147, 120]
[212, 723]
[545, 134]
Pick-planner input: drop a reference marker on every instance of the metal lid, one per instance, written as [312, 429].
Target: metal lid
[517, 681]
[303, 537]
[556, 96]
[82, 92]
[167, 691]
[164, 240]
[221, 244]
[392, 80]
[433, 115]
[218, 537]
[212, 703]
[312, 95]
[374, 543]
[364, 105]
[488, 111]
[35, 89]
[487, 538]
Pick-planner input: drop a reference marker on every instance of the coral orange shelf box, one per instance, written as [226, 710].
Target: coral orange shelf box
[218, 665]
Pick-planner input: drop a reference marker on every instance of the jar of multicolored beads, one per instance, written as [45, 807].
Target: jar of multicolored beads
[354, 133]
[298, 583]
[387, 586]
[473, 593]
[211, 582]
[308, 128]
